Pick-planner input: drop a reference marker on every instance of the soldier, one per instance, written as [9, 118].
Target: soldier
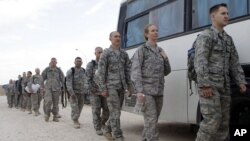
[18, 92]
[54, 78]
[75, 80]
[36, 97]
[99, 106]
[216, 57]
[23, 96]
[11, 93]
[114, 75]
[28, 93]
[149, 66]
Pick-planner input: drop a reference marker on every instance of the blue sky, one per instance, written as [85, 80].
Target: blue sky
[33, 31]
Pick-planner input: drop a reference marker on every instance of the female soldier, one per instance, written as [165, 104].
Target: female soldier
[149, 66]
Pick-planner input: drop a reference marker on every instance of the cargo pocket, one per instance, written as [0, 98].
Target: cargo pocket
[206, 106]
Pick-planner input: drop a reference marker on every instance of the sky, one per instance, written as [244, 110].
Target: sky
[34, 31]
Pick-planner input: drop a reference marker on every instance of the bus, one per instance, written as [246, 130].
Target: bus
[179, 22]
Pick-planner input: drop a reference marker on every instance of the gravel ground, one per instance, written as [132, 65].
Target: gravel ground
[20, 126]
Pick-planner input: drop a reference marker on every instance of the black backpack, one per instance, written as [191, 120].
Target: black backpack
[192, 76]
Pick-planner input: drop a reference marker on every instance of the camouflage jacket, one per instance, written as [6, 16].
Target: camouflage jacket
[36, 79]
[148, 70]
[54, 78]
[215, 58]
[11, 89]
[114, 69]
[92, 79]
[76, 85]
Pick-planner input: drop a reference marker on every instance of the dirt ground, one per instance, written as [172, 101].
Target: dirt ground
[1, 91]
[20, 126]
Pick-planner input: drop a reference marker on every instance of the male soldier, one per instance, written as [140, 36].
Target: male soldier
[28, 94]
[36, 97]
[18, 92]
[215, 58]
[75, 80]
[98, 102]
[11, 93]
[54, 78]
[114, 75]
[23, 96]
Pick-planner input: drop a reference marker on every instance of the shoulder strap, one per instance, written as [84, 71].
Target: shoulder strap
[93, 62]
[73, 71]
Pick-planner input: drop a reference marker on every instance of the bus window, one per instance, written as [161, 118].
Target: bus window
[249, 7]
[200, 8]
[138, 6]
[135, 31]
[169, 19]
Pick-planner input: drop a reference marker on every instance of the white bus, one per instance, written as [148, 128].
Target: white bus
[179, 22]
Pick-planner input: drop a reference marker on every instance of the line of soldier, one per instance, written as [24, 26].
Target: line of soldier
[106, 96]
[112, 73]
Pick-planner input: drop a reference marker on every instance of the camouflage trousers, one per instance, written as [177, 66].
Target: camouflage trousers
[76, 106]
[216, 113]
[114, 101]
[17, 100]
[151, 112]
[26, 103]
[35, 101]
[10, 99]
[100, 111]
[51, 98]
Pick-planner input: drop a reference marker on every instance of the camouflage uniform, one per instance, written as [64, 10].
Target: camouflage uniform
[114, 75]
[147, 73]
[53, 87]
[26, 103]
[215, 58]
[18, 93]
[36, 97]
[98, 102]
[11, 94]
[75, 86]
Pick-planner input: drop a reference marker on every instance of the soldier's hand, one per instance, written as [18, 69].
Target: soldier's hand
[141, 97]
[128, 93]
[243, 88]
[73, 96]
[105, 93]
[207, 91]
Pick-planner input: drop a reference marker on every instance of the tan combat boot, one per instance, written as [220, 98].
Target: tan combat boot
[55, 119]
[76, 124]
[46, 118]
[108, 136]
[29, 112]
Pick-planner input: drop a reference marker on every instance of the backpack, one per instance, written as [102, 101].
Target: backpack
[192, 76]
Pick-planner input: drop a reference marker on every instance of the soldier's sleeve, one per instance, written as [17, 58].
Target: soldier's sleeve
[235, 68]
[127, 70]
[102, 70]
[69, 82]
[62, 78]
[136, 72]
[202, 49]
[89, 76]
